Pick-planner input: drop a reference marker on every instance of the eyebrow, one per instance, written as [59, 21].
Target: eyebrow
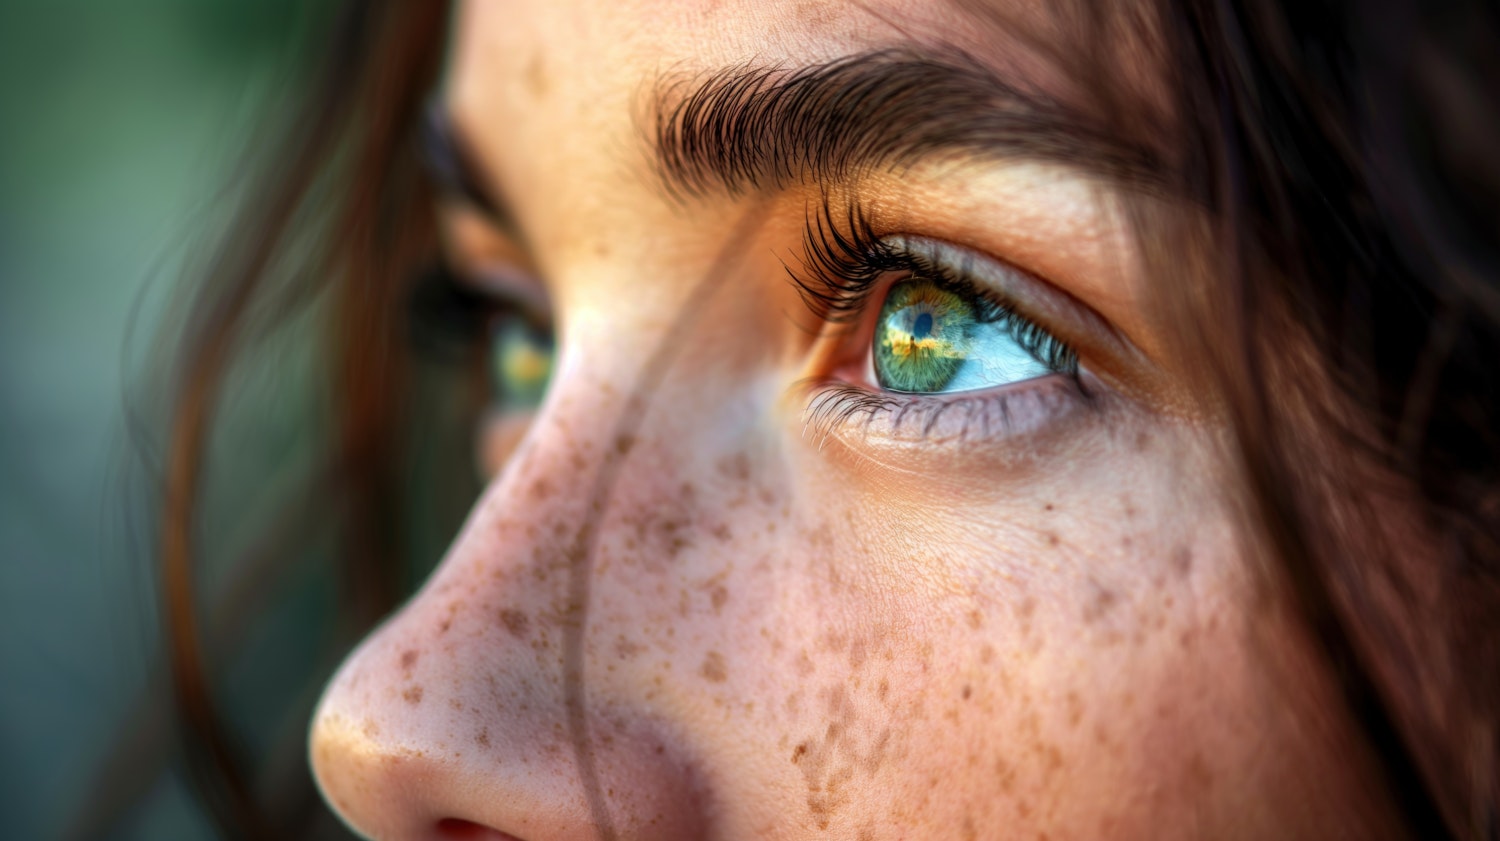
[750, 128]
[453, 170]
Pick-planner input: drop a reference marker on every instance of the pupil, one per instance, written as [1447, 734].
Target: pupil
[923, 326]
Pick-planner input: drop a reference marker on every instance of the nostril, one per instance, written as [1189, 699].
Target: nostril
[456, 829]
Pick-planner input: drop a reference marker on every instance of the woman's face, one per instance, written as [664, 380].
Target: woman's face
[867, 499]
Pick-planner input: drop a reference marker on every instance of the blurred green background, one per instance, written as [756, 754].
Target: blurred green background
[119, 120]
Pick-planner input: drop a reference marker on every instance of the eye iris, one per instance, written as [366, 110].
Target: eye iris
[923, 337]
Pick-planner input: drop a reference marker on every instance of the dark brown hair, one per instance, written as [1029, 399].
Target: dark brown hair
[343, 217]
[1344, 154]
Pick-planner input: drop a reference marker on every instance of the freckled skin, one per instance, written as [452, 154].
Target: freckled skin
[675, 615]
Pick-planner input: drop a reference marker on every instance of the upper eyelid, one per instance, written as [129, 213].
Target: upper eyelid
[1010, 284]
[487, 260]
[1098, 344]
[837, 256]
[1032, 295]
[449, 164]
[456, 173]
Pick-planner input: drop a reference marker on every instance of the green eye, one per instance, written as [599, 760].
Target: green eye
[521, 358]
[931, 339]
[922, 339]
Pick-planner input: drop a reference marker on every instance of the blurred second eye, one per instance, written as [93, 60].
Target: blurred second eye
[520, 363]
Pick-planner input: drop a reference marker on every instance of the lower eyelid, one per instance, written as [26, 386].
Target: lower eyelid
[838, 409]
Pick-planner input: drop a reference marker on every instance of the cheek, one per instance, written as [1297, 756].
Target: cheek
[1078, 676]
[804, 653]
[989, 708]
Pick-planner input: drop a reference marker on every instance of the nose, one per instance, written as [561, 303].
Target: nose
[475, 712]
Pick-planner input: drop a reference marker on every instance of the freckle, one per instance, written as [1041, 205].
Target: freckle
[987, 653]
[799, 752]
[1026, 608]
[536, 79]
[1052, 539]
[721, 533]
[516, 622]
[833, 641]
[1198, 768]
[541, 489]
[976, 619]
[857, 654]
[804, 664]
[713, 667]
[884, 689]
[1005, 774]
[1048, 507]
[967, 692]
[412, 694]
[736, 467]
[1102, 603]
[718, 596]
[484, 737]
[1182, 561]
[409, 659]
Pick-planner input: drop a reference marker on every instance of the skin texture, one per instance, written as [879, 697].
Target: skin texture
[681, 610]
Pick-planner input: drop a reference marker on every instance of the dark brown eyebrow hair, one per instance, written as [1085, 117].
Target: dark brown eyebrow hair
[749, 128]
[455, 173]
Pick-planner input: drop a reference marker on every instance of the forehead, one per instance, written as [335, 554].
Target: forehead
[554, 96]
[673, 35]
[582, 59]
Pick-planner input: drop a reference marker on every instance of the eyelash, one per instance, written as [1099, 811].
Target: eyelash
[846, 263]
[845, 270]
[448, 320]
